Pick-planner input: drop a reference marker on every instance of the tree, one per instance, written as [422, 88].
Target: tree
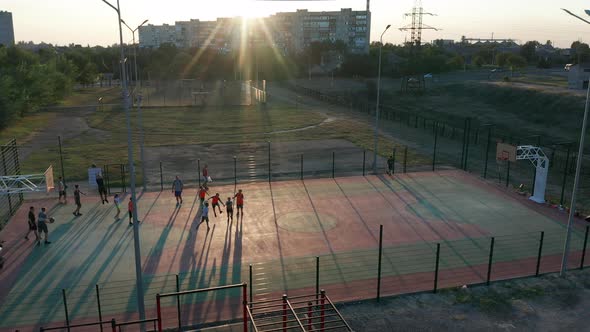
[528, 50]
[502, 59]
[516, 61]
[479, 61]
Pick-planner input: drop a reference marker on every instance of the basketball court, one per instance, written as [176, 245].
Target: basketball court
[288, 230]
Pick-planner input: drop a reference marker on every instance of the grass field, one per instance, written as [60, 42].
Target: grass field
[23, 129]
[105, 141]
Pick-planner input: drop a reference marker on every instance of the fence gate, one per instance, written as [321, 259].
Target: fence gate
[115, 177]
[9, 165]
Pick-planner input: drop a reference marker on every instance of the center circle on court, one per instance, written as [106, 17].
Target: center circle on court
[306, 222]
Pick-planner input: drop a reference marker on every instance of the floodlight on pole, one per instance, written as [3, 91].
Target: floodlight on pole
[377, 107]
[579, 160]
[125, 93]
[138, 103]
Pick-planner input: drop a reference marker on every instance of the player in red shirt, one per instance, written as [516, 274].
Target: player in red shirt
[215, 201]
[202, 194]
[130, 209]
[239, 203]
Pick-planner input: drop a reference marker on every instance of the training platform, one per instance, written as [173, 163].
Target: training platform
[288, 230]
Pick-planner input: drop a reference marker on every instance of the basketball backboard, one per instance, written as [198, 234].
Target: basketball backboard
[506, 152]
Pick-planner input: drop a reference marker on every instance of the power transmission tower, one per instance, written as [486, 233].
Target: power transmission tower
[417, 25]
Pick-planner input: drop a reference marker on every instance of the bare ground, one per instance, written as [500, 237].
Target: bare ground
[547, 303]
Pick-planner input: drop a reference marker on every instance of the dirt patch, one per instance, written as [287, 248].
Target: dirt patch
[68, 124]
[547, 303]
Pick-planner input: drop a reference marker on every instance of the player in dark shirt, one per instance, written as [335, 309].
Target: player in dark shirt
[32, 224]
[102, 191]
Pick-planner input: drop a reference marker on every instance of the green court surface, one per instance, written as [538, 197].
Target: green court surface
[287, 228]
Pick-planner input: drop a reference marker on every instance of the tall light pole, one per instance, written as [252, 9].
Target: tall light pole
[135, 48]
[139, 99]
[138, 272]
[377, 108]
[578, 171]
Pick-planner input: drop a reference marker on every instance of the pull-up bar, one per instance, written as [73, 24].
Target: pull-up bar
[244, 287]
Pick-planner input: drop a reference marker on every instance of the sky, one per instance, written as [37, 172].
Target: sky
[92, 22]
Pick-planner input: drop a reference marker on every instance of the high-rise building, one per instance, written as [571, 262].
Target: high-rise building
[289, 32]
[6, 29]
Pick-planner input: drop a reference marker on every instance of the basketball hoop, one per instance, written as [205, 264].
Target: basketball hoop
[18, 184]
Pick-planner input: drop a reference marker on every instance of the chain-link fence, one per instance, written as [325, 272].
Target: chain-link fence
[9, 165]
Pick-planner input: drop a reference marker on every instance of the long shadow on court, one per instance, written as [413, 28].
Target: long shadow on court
[64, 245]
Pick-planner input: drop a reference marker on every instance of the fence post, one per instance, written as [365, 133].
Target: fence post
[490, 262]
[251, 284]
[317, 277]
[269, 166]
[467, 144]
[539, 254]
[364, 157]
[199, 171]
[507, 172]
[333, 160]
[309, 315]
[564, 176]
[301, 168]
[159, 312]
[323, 302]
[244, 306]
[161, 178]
[6, 173]
[393, 164]
[99, 308]
[178, 304]
[235, 172]
[379, 262]
[485, 166]
[63, 293]
[61, 160]
[405, 158]
[435, 143]
[436, 268]
[284, 312]
[463, 143]
[584, 248]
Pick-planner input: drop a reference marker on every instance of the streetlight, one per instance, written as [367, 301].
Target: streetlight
[138, 273]
[139, 99]
[377, 109]
[578, 169]
[135, 47]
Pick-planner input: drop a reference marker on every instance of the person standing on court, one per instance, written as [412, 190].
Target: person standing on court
[77, 193]
[177, 187]
[117, 201]
[229, 208]
[32, 224]
[205, 176]
[130, 210]
[202, 194]
[42, 222]
[239, 203]
[205, 215]
[61, 188]
[390, 162]
[102, 191]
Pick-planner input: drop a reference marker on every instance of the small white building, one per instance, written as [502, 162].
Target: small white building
[579, 76]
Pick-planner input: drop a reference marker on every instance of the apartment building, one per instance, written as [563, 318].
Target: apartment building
[6, 29]
[290, 32]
